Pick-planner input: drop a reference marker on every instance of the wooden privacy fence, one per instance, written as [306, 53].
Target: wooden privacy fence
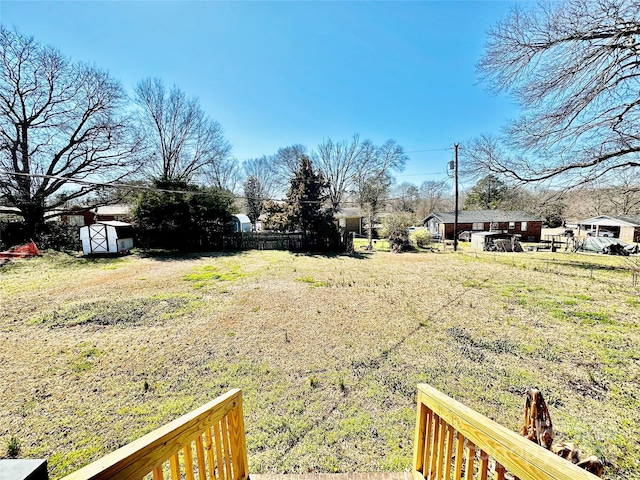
[297, 242]
[454, 442]
[206, 444]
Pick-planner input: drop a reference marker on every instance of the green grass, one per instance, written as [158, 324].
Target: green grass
[328, 351]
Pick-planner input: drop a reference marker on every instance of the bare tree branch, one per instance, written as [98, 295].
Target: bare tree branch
[574, 68]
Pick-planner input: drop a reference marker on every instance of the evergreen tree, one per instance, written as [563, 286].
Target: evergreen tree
[185, 217]
[304, 199]
[488, 194]
[254, 198]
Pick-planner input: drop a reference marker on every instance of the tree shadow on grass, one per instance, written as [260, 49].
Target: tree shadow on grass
[176, 255]
[356, 255]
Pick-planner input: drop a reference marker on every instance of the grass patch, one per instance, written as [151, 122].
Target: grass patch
[132, 311]
[311, 281]
[208, 274]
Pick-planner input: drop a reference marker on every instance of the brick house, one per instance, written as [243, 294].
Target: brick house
[507, 221]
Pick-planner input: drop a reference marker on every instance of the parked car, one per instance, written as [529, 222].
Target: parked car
[602, 233]
[464, 236]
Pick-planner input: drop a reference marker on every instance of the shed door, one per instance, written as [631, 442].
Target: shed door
[98, 242]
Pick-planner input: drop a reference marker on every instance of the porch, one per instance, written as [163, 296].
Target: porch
[451, 442]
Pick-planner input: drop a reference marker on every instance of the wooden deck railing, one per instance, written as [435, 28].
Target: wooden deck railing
[452, 439]
[206, 444]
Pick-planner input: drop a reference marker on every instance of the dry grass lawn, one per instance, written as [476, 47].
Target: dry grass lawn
[328, 350]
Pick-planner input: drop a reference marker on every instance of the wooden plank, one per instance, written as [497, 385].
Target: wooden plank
[188, 462]
[202, 467]
[428, 443]
[419, 437]
[210, 456]
[519, 456]
[140, 457]
[471, 459]
[157, 473]
[174, 462]
[218, 442]
[457, 471]
[226, 448]
[434, 450]
[243, 463]
[484, 465]
[440, 456]
[449, 456]
[499, 472]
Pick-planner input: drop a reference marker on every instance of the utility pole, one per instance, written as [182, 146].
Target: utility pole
[455, 215]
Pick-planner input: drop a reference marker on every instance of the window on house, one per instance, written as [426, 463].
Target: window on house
[523, 227]
[478, 226]
[512, 225]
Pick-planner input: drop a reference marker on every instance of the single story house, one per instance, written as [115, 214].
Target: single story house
[626, 228]
[528, 226]
[119, 213]
[79, 216]
[10, 214]
[349, 219]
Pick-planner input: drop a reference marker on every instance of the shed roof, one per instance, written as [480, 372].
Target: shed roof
[242, 218]
[476, 216]
[114, 223]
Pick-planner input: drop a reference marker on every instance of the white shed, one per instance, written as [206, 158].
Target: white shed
[106, 237]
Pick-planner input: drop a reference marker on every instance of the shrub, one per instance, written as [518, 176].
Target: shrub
[56, 236]
[421, 238]
[13, 447]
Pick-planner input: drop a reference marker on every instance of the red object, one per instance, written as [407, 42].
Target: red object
[23, 251]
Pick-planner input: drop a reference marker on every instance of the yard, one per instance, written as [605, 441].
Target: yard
[328, 350]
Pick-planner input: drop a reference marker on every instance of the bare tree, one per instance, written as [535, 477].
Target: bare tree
[624, 193]
[340, 163]
[286, 163]
[406, 196]
[60, 123]
[264, 171]
[574, 67]
[184, 142]
[374, 178]
[226, 173]
[432, 197]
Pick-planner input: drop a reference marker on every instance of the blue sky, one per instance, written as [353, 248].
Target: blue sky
[278, 73]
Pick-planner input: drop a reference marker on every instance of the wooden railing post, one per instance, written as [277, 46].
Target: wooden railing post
[440, 419]
[217, 427]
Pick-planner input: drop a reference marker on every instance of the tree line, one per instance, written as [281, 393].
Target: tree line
[69, 135]
[68, 130]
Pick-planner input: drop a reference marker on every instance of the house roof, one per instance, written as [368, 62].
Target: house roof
[119, 209]
[477, 216]
[348, 212]
[114, 223]
[610, 221]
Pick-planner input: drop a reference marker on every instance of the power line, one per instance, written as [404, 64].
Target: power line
[430, 150]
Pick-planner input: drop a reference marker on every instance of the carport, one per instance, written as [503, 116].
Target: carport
[625, 228]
